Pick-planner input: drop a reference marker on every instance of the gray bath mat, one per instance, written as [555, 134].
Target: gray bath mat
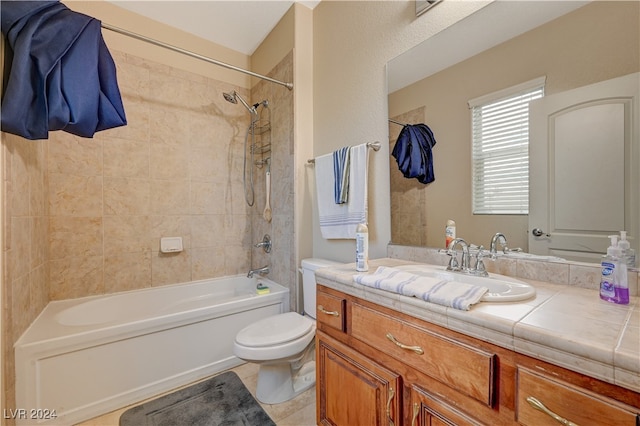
[220, 401]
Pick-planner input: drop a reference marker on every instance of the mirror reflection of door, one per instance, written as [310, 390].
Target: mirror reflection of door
[577, 197]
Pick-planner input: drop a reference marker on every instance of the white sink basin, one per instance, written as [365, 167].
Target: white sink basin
[501, 288]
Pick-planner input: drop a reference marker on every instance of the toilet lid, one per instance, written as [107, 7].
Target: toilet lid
[275, 330]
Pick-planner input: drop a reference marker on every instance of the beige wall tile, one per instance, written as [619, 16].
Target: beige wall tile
[169, 197]
[73, 195]
[39, 242]
[130, 271]
[18, 258]
[236, 259]
[73, 277]
[207, 231]
[126, 234]
[170, 268]
[21, 300]
[557, 273]
[126, 158]
[39, 288]
[75, 236]
[126, 196]
[208, 198]
[207, 262]
[69, 154]
[169, 162]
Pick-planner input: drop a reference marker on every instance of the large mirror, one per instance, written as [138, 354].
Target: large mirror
[572, 44]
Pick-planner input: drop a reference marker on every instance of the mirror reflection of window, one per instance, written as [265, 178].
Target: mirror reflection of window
[500, 149]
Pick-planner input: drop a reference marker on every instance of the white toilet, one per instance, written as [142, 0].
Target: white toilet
[284, 345]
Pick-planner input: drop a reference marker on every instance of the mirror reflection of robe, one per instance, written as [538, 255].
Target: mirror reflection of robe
[413, 152]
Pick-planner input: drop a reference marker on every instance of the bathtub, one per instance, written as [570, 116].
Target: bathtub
[85, 357]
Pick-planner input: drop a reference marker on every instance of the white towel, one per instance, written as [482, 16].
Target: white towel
[448, 293]
[341, 220]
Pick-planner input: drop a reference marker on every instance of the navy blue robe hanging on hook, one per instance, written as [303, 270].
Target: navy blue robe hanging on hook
[413, 152]
[61, 74]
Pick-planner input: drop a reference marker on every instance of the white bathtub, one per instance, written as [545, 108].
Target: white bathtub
[84, 357]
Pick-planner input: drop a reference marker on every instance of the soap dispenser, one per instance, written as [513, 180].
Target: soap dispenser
[627, 252]
[613, 284]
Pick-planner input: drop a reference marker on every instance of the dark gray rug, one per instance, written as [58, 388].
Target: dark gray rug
[220, 401]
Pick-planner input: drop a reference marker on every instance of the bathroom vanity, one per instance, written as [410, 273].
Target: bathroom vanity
[387, 359]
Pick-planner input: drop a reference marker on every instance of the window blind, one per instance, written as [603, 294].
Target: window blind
[500, 153]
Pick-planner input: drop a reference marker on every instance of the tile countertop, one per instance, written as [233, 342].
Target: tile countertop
[567, 326]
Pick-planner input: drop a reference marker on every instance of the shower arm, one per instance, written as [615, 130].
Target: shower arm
[252, 109]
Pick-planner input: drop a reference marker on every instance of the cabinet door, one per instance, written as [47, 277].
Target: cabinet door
[428, 410]
[353, 390]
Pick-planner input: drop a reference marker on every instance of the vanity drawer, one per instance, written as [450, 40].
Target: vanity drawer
[566, 401]
[466, 369]
[330, 310]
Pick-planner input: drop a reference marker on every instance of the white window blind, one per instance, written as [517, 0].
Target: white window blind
[500, 153]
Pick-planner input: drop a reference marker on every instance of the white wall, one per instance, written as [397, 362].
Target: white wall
[353, 41]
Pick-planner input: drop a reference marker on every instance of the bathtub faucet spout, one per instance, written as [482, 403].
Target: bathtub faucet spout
[261, 271]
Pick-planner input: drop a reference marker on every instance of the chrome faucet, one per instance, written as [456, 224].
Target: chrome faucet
[464, 262]
[261, 271]
[498, 238]
[464, 265]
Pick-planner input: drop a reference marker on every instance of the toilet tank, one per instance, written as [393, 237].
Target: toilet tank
[309, 267]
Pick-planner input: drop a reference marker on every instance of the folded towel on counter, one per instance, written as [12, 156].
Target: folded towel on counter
[341, 220]
[442, 292]
[341, 163]
[61, 74]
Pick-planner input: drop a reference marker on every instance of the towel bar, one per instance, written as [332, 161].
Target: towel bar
[373, 145]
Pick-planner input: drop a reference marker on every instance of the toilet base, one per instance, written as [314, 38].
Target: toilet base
[278, 383]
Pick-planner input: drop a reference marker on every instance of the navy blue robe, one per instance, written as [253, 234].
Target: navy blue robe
[413, 152]
[61, 75]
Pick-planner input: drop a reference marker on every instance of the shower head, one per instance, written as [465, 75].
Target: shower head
[230, 97]
[233, 97]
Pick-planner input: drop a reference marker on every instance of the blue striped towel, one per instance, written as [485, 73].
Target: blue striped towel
[341, 164]
[341, 220]
[442, 292]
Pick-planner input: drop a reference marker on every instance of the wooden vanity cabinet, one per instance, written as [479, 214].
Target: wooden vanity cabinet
[377, 366]
[382, 363]
[352, 389]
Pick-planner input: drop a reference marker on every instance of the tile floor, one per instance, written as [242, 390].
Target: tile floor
[300, 411]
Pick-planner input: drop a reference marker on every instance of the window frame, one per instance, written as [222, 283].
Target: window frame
[493, 151]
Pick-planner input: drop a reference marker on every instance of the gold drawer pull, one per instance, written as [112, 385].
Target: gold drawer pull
[416, 410]
[334, 313]
[416, 349]
[391, 395]
[540, 406]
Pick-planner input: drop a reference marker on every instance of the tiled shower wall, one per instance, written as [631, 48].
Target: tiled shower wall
[282, 259]
[174, 170]
[26, 289]
[85, 216]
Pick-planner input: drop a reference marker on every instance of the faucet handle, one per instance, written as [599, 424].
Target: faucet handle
[453, 262]
[480, 268]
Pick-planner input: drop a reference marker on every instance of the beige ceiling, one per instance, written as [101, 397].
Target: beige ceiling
[240, 25]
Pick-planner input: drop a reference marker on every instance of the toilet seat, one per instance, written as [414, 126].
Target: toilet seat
[275, 330]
